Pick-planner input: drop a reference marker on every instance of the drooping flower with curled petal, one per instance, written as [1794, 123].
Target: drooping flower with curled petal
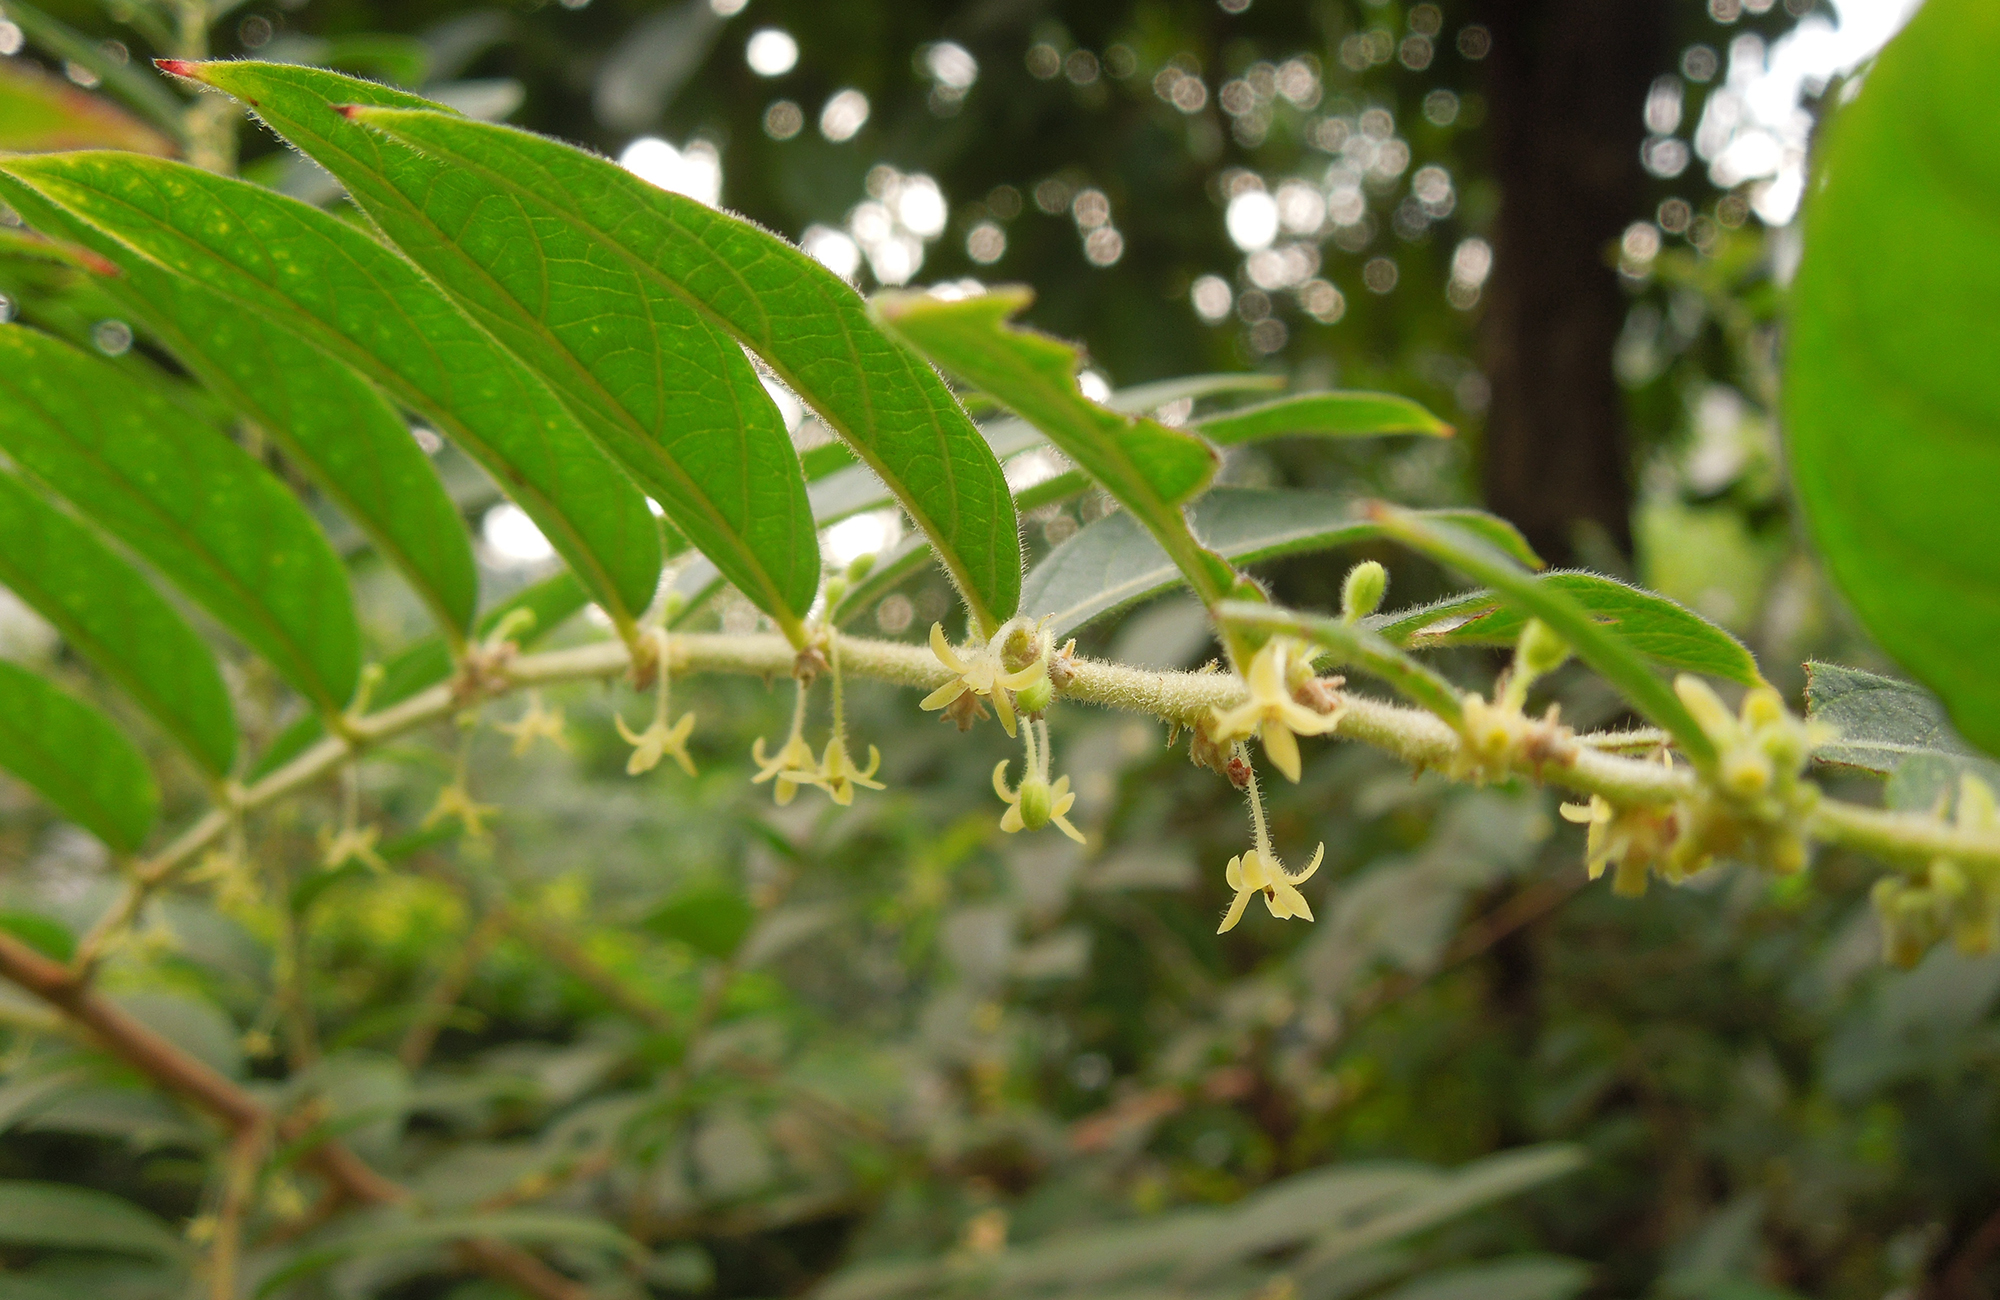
[1259, 872]
[839, 774]
[455, 802]
[981, 672]
[659, 739]
[1037, 802]
[538, 723]
[1271, 713]
[794, 764]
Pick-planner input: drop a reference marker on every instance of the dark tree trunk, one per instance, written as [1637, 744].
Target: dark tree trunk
[1565, 83]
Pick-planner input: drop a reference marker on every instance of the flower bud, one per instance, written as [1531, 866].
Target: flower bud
[1746, 773]
[1540, 651]
[1036, 695]
[1037, 803]
[1361, 595]
[859, 567]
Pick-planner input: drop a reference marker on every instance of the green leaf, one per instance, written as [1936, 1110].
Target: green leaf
[711, 919]
[530, 1226]
[1112, 562]
[113, 617]
[1335, 415]
[334, 423]
[1526, 1277]
[530, 237]
[364, 306]
[1893, 729]
[424, 664]
[190, 502]
[1666, 633]
[44, 934]
[53, 1215]
[1892, 404]
[39, 112]
[1603, 648]
[803, 321]
[134, 83]
[1357, 647]
[1150, 469]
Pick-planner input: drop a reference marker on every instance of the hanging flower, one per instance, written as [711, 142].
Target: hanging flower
[794, 764]
[456, 802]
[537, 723]
[1259, 872]
[658, 740]
[1037, 803]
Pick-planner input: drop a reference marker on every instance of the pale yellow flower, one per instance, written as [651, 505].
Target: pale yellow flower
[794, 764]
[981, 672]
[657, 741]
[838, 774]
[1259, 872]
[1037, 803]
[351, 843]
[537, 723]
[1271, 714]
[456, 802]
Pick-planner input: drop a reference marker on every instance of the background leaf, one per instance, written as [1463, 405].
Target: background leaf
[39, 112]
[76, 759]
[1892, 418]
[113, 617]
[1327, 415]
[77, 1218]
[1893, 729]
[194, 505]
[1668, 634]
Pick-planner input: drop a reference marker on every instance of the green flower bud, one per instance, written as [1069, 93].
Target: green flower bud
[858, 568]
[1036, 695]
[1038, 804]
[1540, 650]
[1361, 595]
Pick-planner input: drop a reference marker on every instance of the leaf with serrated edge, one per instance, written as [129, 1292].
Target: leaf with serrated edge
[369, 309]
[665, 391]
[74, 757]
[1665, 632]
[112, 616]
[1326, 415]
[1893, 729]
[1113, 562]
[803, 321]
[190, 502]
[1148, 468]
[331, 421]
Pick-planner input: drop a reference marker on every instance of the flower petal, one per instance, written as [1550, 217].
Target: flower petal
[1282, 749]
[1062, 824]
[1235, 912]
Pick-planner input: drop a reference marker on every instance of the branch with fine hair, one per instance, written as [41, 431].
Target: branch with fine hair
[1185, 699]
[246, 1118]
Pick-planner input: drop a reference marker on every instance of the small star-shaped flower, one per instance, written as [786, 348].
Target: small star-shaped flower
[1271, 713]
[656, 742]
[980, 672]
[1036, 804]
[537, 723]
[791, 767]
[351, 843]
[1259, 872]
[838, 774]
[455, 801]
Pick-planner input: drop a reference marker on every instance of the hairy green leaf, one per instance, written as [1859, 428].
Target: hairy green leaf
[1603, 648]
[420, 666]
[113, 617]
[79, 1218]
[331, 421]
[75, 758]
[1150, 469]
[1892, 414]
[803, 321]
[1113, 562]
[1329, 415]
[532, 238]
[1893, 729]
[362, 305]
[193, 504]
[1668, 634]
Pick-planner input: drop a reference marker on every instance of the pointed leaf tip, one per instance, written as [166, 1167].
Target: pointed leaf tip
[178, 68]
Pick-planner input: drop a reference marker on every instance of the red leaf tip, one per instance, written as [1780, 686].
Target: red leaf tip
[178, 67]
[348, 111]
